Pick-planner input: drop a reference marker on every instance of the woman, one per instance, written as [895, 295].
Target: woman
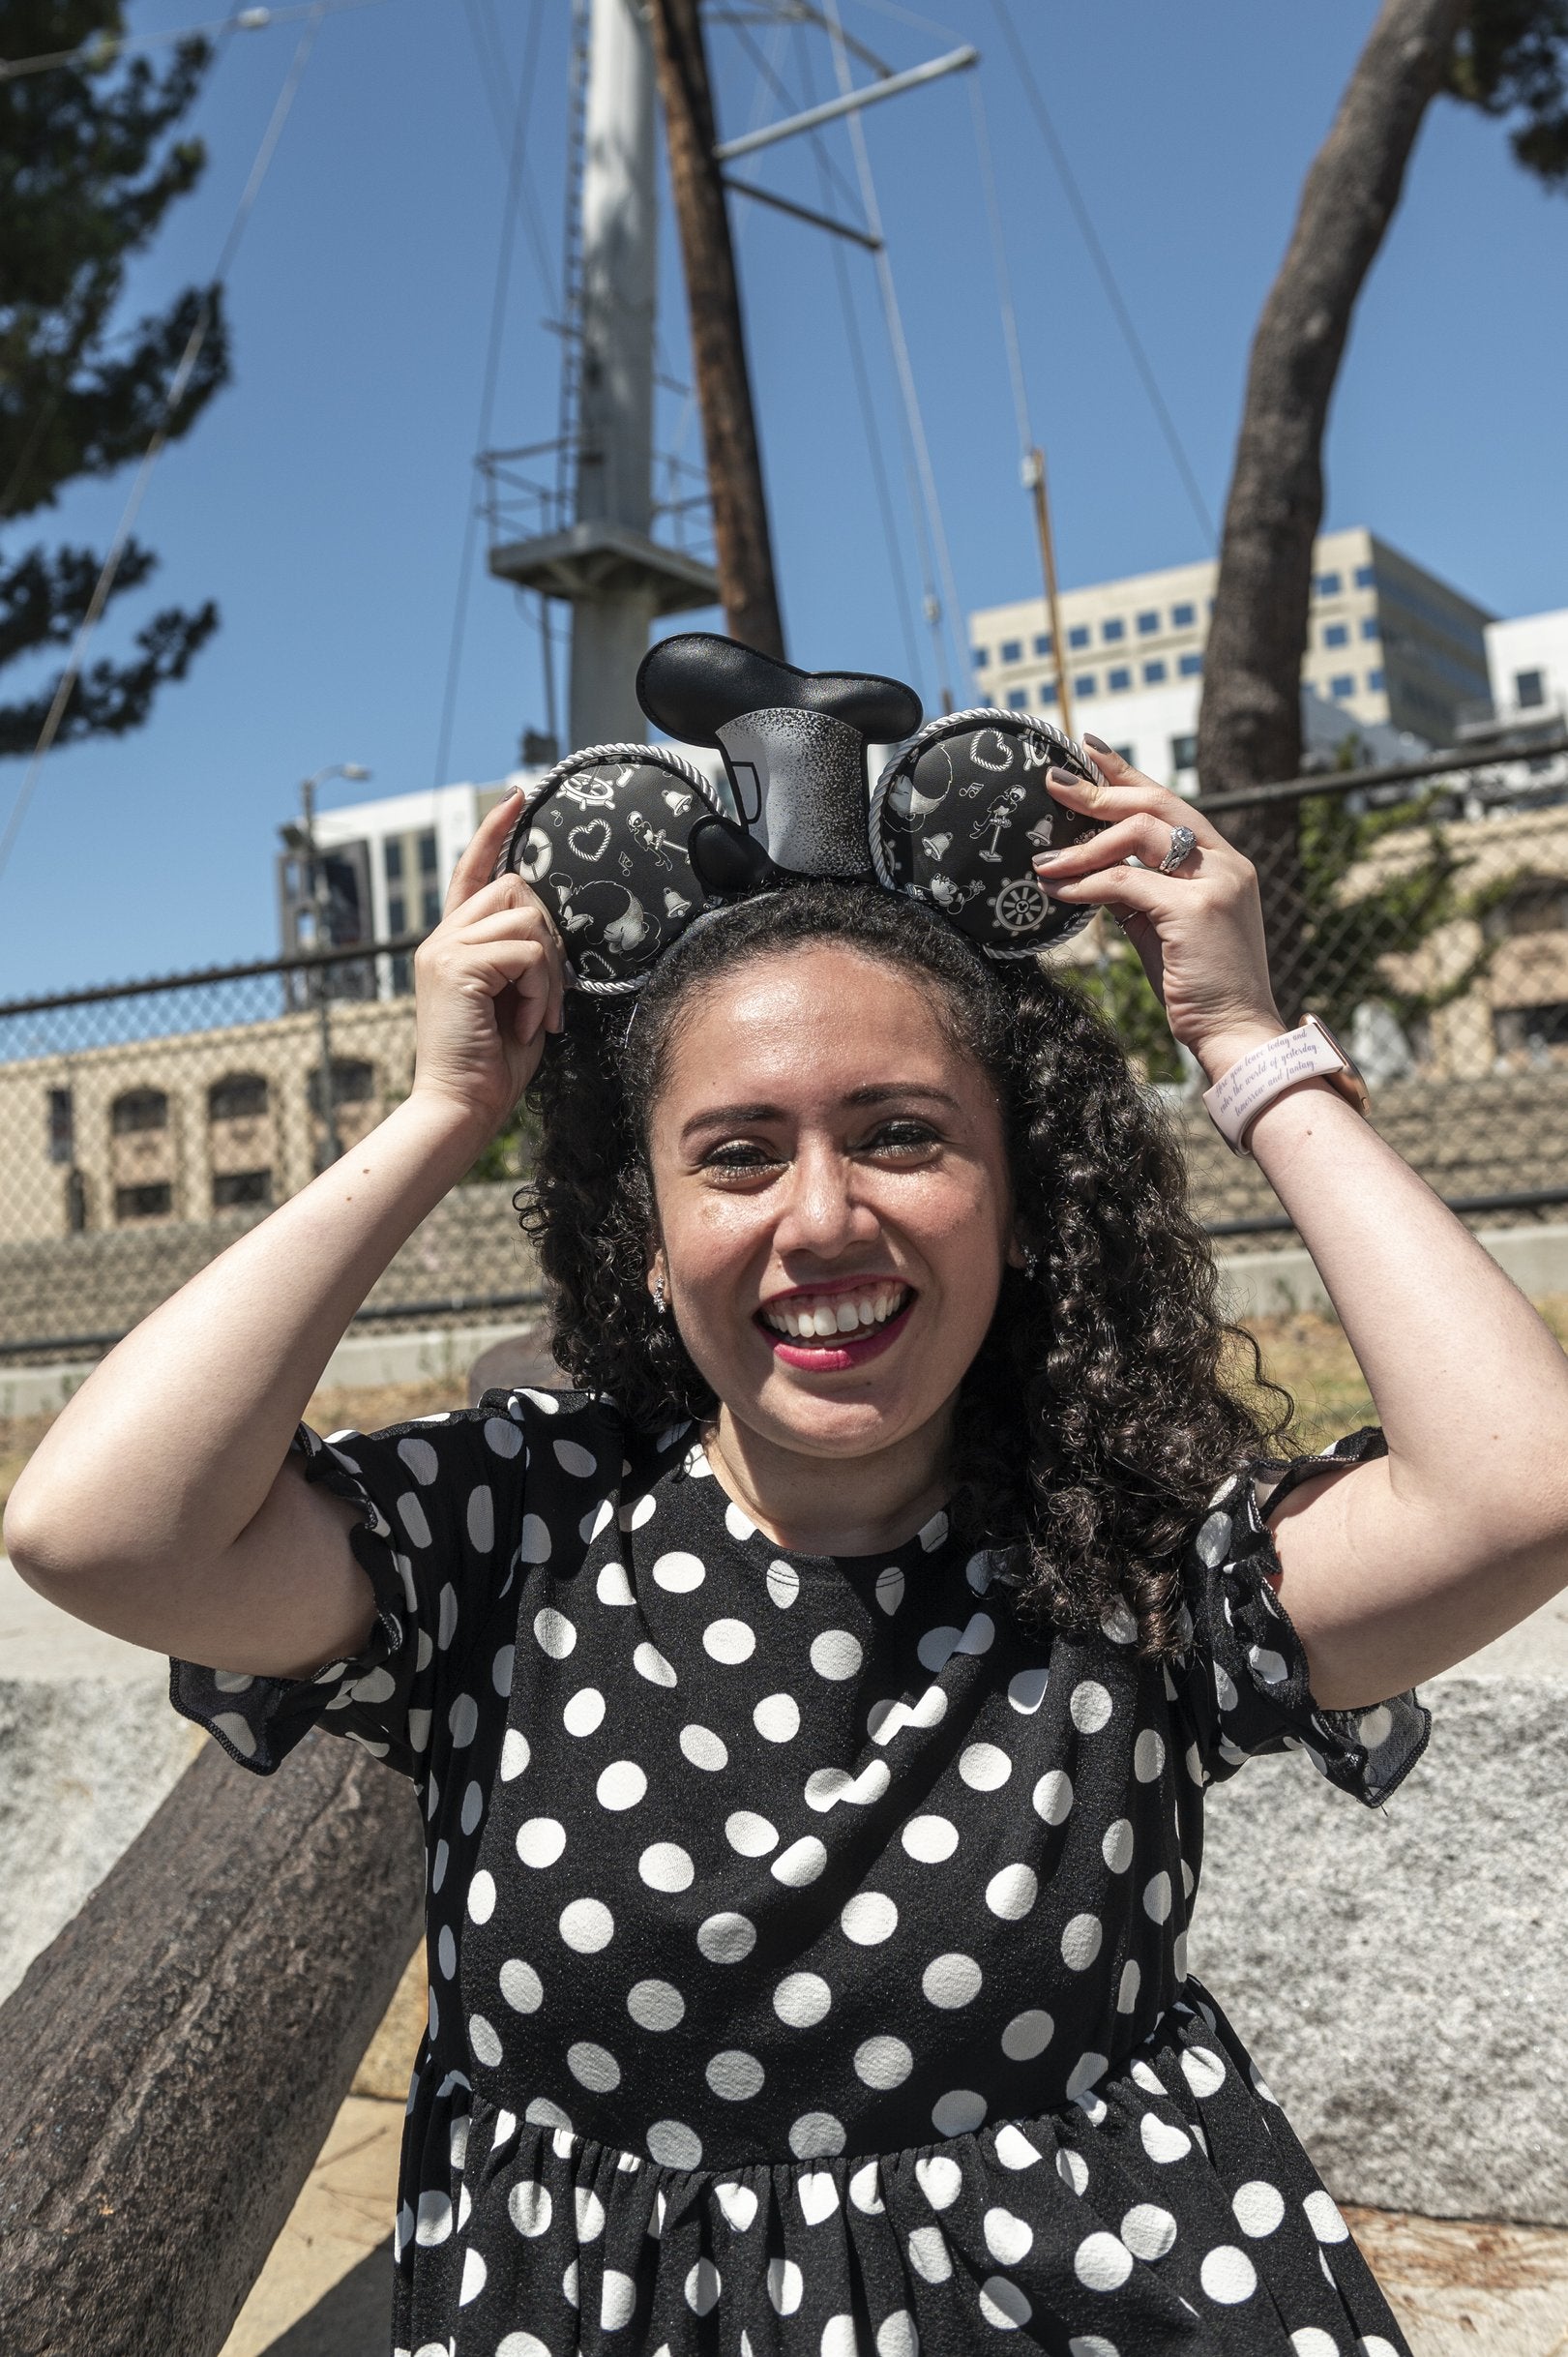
[811, 1713]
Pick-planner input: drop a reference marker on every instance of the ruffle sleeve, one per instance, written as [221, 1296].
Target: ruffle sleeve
[1242, 1685]
[441, 1504]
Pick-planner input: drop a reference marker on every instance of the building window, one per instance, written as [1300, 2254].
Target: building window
[402, 977]
[353, 1081]
[240, 1096]
[1112, 631]
[1079, 635]
[1365, 577]
[1336, 635]
[1153, 673]
[62, 1126]
[980, 656]
[1012, 651]
[1086, 684]
[1042, 641]
[1125, 753]
[1184, 753]
[1342, 687]
[1371, 627]
[145, 1202]
[1048, 691]
[1534, 1030]
[397, 914]
[1147, 625]
[427, 852]
[1327, 584]
[1374, 682]
[1540, 905]
[1018, 699]
[232, 1188]
[140, 1109]
[1530, 690]
[432, 905]
[1190, 665]
[1118, 680]
[1182, 617]
[392, 859]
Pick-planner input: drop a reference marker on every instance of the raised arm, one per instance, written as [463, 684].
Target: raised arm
[1399, 1568]
[162, 1504]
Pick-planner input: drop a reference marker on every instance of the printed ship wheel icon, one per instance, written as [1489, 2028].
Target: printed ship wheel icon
[1020, 905]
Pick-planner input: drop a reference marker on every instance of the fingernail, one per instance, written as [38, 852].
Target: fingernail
[1099, 744]
[1043, 858]
[1062, 777]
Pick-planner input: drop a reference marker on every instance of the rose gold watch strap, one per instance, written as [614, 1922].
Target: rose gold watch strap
[1263, 1073]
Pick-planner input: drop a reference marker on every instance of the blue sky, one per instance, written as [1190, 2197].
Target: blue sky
[322, 500]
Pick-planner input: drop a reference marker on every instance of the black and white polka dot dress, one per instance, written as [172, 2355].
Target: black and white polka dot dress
[806, 1939]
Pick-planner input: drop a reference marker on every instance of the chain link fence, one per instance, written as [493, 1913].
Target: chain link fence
[1421, 912]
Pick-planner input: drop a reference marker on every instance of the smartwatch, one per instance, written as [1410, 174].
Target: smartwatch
[1309, 1052]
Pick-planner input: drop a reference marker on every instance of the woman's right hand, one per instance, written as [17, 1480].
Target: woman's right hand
[487, 984]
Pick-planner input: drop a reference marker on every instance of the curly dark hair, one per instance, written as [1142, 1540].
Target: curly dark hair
[1094, 1423]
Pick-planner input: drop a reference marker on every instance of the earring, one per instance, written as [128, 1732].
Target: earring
[659, 1296]
[1031, 1261]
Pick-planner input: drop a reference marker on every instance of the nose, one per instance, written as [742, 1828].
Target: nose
[822, 1214]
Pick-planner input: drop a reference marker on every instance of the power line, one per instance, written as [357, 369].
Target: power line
[176, 393]
[1104, 271]
[485, 34]
[97, 55]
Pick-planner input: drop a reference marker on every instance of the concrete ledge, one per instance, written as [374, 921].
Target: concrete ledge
[1271, 1284]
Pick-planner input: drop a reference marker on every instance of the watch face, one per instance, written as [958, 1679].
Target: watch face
[1350, 1081]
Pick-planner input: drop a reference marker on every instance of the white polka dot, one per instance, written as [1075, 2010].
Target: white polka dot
[1090, 1706]
[482, 2038]
[1012, 1892]
[1203, 2072]
[580, 1462]
[1091, 2345]
[929, 1839]
[1117, 1848]
[890, 1588]
[543, 2113]
[896, 2336]
[984, 1768]
[462, 1721]
[1008, 2239]
[777, 1717]
[738, 2204]
[1086, 2072]
[734, 2076]
[864, 2190]
[1004, 2304]
[1157, 1898]
[679, 1573]
[617, 2291]
[482, 1519]
[1013, 2149]
[515, 1755]
[1227, 2275]
[837, 1654]
[726, 1938]
[593, 2067]
[655, 2005]
[641, 1510]
[1148, 1756]
[1259, 2207]
[585, 1713]
[1026, 1690]
[1323, 2217]
[482, 1897]
[1082, 1935]
[936, 1648]
[1053, 1796]
[665, 1865]
[1149, 2080]
[1027, 2035]
[1269, 1665]
[940, 2179]
[1161, 2140]
[951, 1980]
[555, 1634]
[1127, 1987]
[502, 1435]
[1312, 2342]
[529, 2208]
[1149, 2231]
[928, 2254]
[783, 1583]
[541, 1842]
[587, 1925]
[674, 2145]
[749, 1833]
[801, 2000]
[533, 1540]
[703, 1748]
[959, 2112]
[421, 1461]
[521, 1987]
[1071, 2169]
[650, 1664]
[1375, 1726]
[818, 2196]
[729, 1641]
[883, 2061]
[473, 1807]
[801, 1862]
[612, 1585]
[621, 1785]
[702, 2287]
[1120, 1624]
[840, 2337]
[786, 2285]
[817, 2135]
[868, 1917]
[1101, 2262]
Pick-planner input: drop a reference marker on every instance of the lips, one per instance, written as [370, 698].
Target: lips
[826, 1316]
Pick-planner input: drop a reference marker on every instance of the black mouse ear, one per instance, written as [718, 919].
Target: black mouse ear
[606, 842]
[956, 819]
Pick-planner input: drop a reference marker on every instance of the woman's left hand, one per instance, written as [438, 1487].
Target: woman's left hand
[1198, 931]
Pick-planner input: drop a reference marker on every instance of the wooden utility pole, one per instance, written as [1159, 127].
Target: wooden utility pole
[740, 514]
[1034, 475]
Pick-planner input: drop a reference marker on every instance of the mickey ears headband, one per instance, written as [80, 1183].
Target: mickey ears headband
[629, 845]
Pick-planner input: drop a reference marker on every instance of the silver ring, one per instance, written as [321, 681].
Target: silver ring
[1182, 842]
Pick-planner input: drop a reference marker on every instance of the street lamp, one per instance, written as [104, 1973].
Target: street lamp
[301, 839]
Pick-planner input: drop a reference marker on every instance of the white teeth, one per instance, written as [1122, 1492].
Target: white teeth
[848, 1317]
[818, 1322]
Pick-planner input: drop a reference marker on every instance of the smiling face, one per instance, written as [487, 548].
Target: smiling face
[834, 1212]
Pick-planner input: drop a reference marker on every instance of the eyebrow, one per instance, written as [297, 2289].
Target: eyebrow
[875, 1093]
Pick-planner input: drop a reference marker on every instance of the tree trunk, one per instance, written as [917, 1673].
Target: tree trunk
[170, 2064]
[1249, 722]
[740, 514]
